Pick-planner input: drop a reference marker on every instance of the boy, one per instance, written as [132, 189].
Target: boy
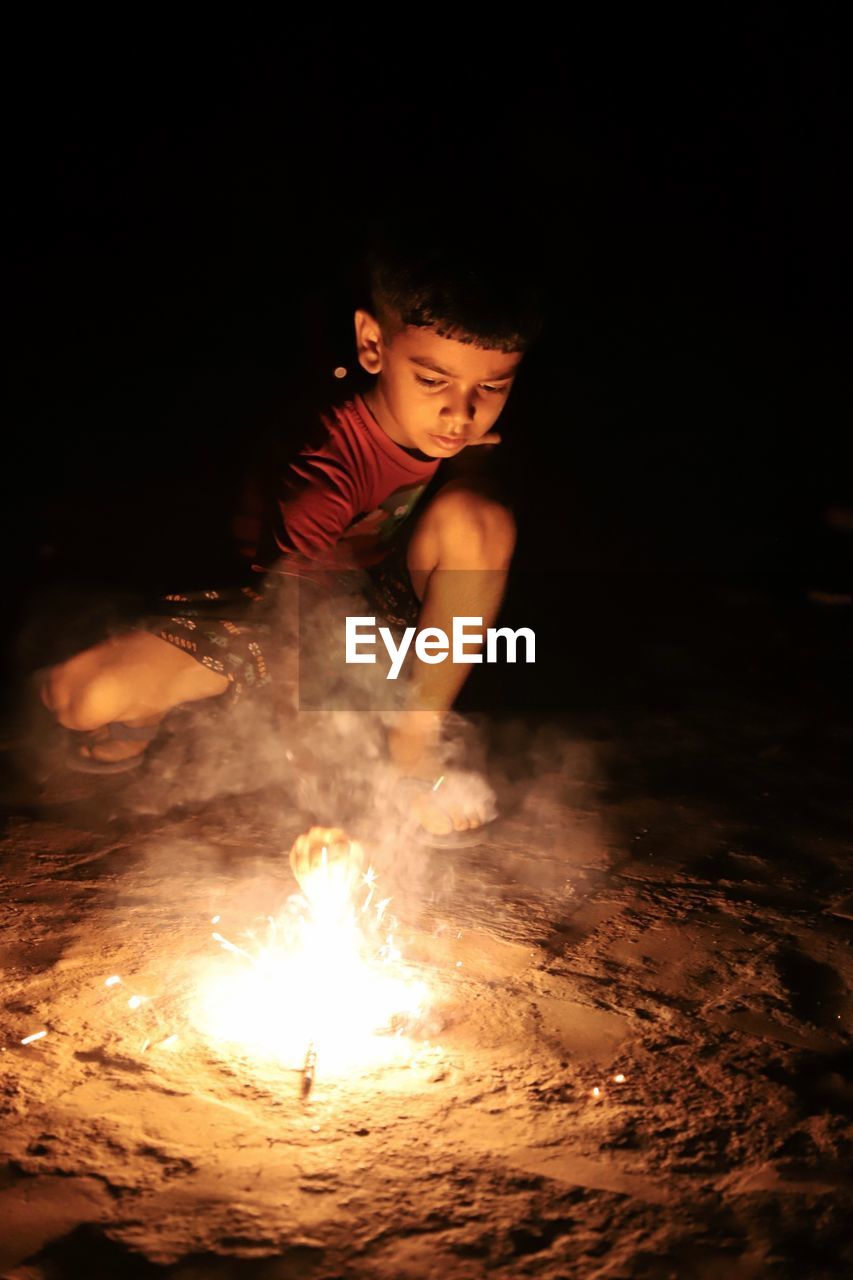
[441, 340]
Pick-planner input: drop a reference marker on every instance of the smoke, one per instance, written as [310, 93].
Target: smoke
[309, 749]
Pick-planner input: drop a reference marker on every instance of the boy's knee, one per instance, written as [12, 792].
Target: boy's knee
[80, 703]
[476, 526]
[52, 690]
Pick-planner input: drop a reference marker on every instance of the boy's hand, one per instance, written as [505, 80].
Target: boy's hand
[491, 437]
[326, 862]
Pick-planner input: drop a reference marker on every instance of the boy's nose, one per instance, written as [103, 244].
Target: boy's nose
[458, 418]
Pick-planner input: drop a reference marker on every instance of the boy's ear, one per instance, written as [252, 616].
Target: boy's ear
[368, 341]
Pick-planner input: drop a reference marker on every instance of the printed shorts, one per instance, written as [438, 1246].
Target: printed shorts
[234, 631]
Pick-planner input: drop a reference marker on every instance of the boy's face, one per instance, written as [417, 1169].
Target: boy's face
[432, 393]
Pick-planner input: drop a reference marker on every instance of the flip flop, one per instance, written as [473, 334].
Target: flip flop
[409, 789]
[119, 732]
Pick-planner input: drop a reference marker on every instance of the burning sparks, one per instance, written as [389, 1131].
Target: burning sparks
[37, 1035]
[320, 984]
[229, 946]
[619, 1078]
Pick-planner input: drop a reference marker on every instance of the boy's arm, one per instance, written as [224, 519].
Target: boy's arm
[293, 504]
[316, 504]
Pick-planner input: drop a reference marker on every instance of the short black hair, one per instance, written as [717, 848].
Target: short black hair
[471, 277]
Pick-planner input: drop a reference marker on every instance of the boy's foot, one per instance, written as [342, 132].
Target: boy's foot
[114, 748]
[449, 808]
[446, 803]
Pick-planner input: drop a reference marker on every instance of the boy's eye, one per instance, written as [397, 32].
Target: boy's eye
[434, 382]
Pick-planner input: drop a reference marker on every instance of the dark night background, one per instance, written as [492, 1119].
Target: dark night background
[182, 219]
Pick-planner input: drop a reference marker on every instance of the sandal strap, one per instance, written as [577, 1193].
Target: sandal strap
[411, 788]
[410, 783]
[121, 732]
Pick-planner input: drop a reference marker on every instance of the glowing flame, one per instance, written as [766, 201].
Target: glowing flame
[322, 978]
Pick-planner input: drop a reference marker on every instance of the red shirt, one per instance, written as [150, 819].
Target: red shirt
[347, 491]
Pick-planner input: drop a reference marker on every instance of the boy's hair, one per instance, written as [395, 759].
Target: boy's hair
[468, 278]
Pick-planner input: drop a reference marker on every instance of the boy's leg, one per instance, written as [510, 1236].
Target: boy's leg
[135, 678]
[458, 559]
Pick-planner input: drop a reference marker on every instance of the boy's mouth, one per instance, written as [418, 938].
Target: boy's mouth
[448, 442]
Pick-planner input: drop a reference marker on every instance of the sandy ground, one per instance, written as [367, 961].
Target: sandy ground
[667, 899]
